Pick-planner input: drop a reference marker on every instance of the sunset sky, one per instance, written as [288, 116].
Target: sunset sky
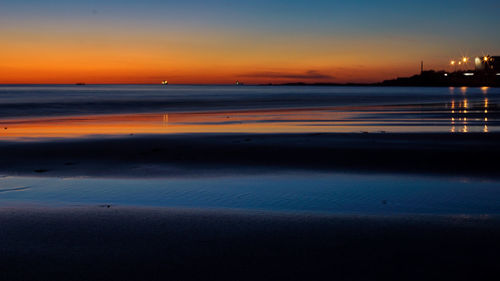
[273, 41]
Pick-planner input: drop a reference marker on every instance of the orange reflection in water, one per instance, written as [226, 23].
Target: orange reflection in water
[290, 121]
[400, 118]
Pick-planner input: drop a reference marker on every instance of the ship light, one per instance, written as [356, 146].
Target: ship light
[469, 74]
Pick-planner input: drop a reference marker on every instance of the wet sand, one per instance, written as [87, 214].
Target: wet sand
[188, 131]
[208, 154]
[115, 243]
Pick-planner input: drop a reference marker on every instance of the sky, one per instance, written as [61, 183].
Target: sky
[221, 41]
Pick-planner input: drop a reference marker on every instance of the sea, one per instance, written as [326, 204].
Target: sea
[44, 113]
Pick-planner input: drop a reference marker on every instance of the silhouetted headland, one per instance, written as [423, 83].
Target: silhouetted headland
[442, 78]
[429, 78]
[321, 84]
[485, 74]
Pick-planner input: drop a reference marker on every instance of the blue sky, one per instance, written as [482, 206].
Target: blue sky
[434, 31]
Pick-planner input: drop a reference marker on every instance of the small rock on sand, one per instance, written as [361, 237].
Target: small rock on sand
[40, 170]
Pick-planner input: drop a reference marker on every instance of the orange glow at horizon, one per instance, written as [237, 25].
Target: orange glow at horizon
[192, 57]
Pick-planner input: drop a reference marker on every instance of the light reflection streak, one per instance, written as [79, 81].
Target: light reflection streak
[465, 113]
[466, 116]
[485, 129]
[165, 120]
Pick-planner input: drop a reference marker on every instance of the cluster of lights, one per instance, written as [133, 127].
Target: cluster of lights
[463, 60]
[487, 58]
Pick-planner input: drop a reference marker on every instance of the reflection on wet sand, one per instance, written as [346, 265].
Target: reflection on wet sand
[485, 115]
[467, 115]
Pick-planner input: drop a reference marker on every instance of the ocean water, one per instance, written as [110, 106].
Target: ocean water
[339, 193]
[76, 111]
[44, 112]
[50, 100]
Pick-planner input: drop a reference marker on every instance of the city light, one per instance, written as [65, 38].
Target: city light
[452, 62]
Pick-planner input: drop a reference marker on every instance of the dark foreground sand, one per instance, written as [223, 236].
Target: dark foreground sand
[117, 243]
[176, 155]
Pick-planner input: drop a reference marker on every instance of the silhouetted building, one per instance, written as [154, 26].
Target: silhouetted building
[488, 64]
[486, 73]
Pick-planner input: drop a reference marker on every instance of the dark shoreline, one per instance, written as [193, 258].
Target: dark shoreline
[117, 243]
[384, 84]
[387, 83]
[463, 155]
[390, 83]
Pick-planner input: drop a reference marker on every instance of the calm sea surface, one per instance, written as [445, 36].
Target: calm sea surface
[44, 112]
[28, 112]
